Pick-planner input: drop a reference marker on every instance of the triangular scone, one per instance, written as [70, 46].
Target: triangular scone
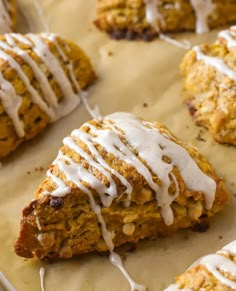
[41, 77]
[215, 272]
[147, 19]
[119, 178]
[7, 15]
[209, 85]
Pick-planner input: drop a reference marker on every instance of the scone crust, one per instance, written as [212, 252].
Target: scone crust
[126, 18]
[209, 94]
[69, 227]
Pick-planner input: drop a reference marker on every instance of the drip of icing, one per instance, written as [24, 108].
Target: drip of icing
[94, 112]
[48, 103]
[215, 62]
[202, 8]
[42, 275]
[229, 36]
[5, 20]
[71, 171]
[5, 283]
[154, 18]
[185, 44]
[37, 221]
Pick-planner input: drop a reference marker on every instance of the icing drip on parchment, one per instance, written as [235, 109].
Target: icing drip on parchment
[202, 9]
[5, 283]
[5, 20]
[217, 264]
[145, 139]
[48, 102]
[42, 275]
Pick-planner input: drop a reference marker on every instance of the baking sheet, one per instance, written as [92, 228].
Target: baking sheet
[138, 77]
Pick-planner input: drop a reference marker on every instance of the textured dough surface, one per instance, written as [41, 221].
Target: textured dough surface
[33, 118]
[209, 93]
[126, 18]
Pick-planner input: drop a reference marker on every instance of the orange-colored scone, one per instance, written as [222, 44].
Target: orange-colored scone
[215, 272]
[41, 77]
[209, 73]
[118, 180]
[146, 19]
[7, 15]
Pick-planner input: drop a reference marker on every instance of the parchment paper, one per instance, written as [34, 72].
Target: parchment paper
[132, 75]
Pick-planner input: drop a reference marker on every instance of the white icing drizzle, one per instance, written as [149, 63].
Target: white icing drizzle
[145, 140]
[71, 171]
[153, 16]
[37, 221]
[215, 264]
[229, 36]
[215, 62]
[156, 20]
[42, 275]
[5, 20]
[48, 102]
[202, 8]
[5, 283]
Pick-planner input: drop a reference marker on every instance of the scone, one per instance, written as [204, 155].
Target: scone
[146, 19]
[118, 180]
[41, 77]
[209, 89]
[215, 272]
[7, 15]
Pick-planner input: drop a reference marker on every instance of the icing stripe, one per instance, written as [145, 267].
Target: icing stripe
[5, 283]
[215, 62]
[229, 36]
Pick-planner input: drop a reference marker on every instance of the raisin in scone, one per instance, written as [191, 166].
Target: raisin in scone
[215, 272]
[7, 15]
[209, 89]
[41, 77]
[147, 19]
[118, 180]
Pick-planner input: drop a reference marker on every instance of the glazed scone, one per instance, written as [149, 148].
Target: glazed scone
[215, 272]
[146, 19]
[7, 15]
[209, 89]
[118, 180]
[41, 77]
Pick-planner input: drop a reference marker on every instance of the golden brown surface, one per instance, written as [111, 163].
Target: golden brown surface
[69, 227]
[199, 277]
[126, 18]
[209, 94]
[33, 118]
